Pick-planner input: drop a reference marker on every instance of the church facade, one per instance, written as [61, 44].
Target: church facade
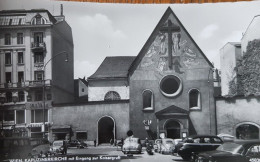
[165, 91]
[171, 85]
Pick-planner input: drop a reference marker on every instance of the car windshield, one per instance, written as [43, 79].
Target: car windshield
[58, 143]
[231, 147]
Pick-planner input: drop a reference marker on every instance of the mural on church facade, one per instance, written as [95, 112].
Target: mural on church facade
[176, 54]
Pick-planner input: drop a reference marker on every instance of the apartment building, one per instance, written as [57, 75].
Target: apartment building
[36, 70]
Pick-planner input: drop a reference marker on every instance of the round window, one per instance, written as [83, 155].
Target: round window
[170, 85]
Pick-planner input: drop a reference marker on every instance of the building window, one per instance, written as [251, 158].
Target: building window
[20, 21]
[112, 95]
[9, 115]
[38, 20]
[49, 96]
[9, 97]
[20, 117]
[82, 90]
[247, 131]
[38, 37]
[38, 75]
[194, 99]
[170, 85]
[38, 96]
[19, 38]
[8, 78]
[38, 57]
[10, 21]
[8, 39]
[147, 100]
[21, 96]
[20, 57]
[20, 76]
[8, 59]
[37, 116]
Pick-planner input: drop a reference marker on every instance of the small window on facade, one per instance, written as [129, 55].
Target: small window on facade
[20, 76]
[147, 100]
[112, 95]
[38, 75]
[9, 97]
[82, 90]
[9, 115]
[38, 37]
[21, 96]
[194, 99]
[10, 21]
[49, 96]
[20, 57]
[20, 117]
[38, 20]
[8, 78]
[20, 21]
[8, 39]
[37, 116]
[38, 96]
[38, 57]
[19, 38]
[8, 59]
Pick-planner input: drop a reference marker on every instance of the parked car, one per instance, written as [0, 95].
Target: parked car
[226, 137]
[58, 147]
[167, 146]
[198, 143]
[77, 143]
[132, 146]
[176, 142]
[237, 151]
[157, 145]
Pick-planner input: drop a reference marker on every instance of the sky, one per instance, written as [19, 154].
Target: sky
[100, 29]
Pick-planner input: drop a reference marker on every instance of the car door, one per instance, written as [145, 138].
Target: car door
[253, 153]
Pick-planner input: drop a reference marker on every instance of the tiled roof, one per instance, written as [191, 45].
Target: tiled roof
[113, 67]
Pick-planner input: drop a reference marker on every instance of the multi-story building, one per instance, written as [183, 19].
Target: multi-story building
[36, 69]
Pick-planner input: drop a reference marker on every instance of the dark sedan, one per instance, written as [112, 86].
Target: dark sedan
[237, 151]
[197, 143]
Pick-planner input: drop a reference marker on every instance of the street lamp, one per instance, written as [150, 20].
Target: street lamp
[66, 60]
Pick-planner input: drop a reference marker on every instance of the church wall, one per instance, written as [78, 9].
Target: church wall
[137, 86]
[98, 89]
[86, 117]
[235, 111]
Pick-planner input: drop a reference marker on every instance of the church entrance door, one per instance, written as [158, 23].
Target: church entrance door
[172, 128]
[106, 130]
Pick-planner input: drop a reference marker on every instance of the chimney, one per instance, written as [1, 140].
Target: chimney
[61, 9]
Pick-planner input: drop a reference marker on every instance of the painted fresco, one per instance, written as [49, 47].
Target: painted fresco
[177, 55]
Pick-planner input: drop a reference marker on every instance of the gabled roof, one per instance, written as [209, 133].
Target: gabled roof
[150, 40]
[113, 67]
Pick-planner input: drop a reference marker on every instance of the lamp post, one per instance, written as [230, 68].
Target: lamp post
[66, 60]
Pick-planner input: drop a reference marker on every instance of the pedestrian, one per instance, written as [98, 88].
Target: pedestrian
[65, 147]
[95, 142]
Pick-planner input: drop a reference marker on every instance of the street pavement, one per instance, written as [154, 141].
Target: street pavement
[110, 153]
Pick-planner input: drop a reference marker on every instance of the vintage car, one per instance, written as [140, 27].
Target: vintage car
[198, 143]
[58, 147]
[77, 143]
[167, 146]
[226, 137]
[132, 145]
[237, 151]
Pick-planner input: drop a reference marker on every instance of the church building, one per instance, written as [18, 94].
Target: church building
[165, 91]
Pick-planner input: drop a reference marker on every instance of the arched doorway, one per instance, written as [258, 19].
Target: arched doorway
[106, 130]
[172, 129]
[247, 131]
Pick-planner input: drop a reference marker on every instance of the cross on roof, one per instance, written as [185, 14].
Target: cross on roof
[170, 28]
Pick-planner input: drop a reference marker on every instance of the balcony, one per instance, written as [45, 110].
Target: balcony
[38, 47]
[26, 84]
